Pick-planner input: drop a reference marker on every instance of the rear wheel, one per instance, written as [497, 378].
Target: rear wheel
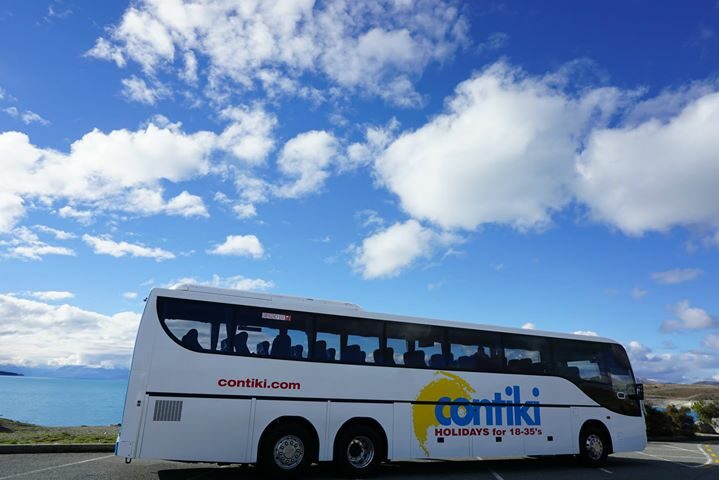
[358, 451]
[286, 451]
[593, 447]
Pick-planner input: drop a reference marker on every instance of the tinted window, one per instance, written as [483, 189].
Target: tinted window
[424, 345]
[215, 327]
[475, 350]
[600, 370]
[396, 348]
[526, 354]
[195, 325]
[348, 340]
[622, 379]
[580, 361]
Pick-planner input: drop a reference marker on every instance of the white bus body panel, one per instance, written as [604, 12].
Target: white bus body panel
[222, 424]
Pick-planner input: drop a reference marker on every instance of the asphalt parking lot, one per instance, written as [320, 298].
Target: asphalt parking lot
[661, 460]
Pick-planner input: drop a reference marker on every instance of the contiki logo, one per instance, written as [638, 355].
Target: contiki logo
[448, 400]
[463, 411]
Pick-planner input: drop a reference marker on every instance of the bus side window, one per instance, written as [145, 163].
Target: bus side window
[475, 350]
[526, 354]
[394, 353]
[355, 341]
[579, 361]
[326, 347]
[424, 345]
[269, 337]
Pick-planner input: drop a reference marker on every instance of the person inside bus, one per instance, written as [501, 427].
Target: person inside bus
[389, 356]
[296, 351]
[331, 353]
[263, 348]
[414, 358]
[190, 340]
[480, 359]
[241, 344]
[320, 351]
[281, 345]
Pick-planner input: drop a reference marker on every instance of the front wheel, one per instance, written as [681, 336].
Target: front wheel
[593, 447]
[358, 451]
[286, 452]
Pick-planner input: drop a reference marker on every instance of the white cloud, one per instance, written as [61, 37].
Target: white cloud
[369, 218]
[236, 282]
[37, 251]
[495, 41]
[104, 245]
[239, 245]
[11, 210]
[360, 154]
[638, 293]
[129, 295]
[58, 234]
[150, 201]
[249, 137]
[104, 50]
[115, 171]
[502, 153]
[378, 48]
[189, 74]
[51, 295]
[29, 117]
[242, 210]
[529, 326]
[245, 210]
[137, 90]
[387, 252]
[712, 341]
[306, 159]
[655, 175]
[82, 216]
[12, 111]
[38, 333]
[677, 275]
[682, 367]
[689, 318]
[25, 245]
[587, 333]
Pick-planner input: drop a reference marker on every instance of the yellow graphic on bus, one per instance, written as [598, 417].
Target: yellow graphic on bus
[423, 415]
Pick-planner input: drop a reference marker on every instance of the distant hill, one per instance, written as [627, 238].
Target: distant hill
[71, 371]
[706, 382]
[676, 392]
[10, 374]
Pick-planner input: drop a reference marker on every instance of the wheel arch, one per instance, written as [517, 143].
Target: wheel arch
[290, 419]
[599, 425]
[366, 421]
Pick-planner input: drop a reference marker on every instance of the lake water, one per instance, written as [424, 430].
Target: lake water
[62, 401]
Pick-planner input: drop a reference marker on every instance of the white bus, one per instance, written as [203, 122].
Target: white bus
[237, 377]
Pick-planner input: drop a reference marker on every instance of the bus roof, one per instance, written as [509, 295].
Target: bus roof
[333, 307]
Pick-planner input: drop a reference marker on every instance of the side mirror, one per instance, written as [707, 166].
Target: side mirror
[640, 392]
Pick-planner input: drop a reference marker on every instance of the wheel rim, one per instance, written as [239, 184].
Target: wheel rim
[360, 452]
[289, 452]
[594, 446]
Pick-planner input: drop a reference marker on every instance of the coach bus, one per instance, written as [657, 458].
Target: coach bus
[228, 376]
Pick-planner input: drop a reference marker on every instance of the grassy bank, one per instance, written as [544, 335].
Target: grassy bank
[681, 392]
[14, 433]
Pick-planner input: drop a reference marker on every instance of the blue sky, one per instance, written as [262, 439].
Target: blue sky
[548, 166]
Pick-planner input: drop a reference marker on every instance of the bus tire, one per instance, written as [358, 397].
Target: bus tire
[286, 451]
[358, 451]
[593, 447]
